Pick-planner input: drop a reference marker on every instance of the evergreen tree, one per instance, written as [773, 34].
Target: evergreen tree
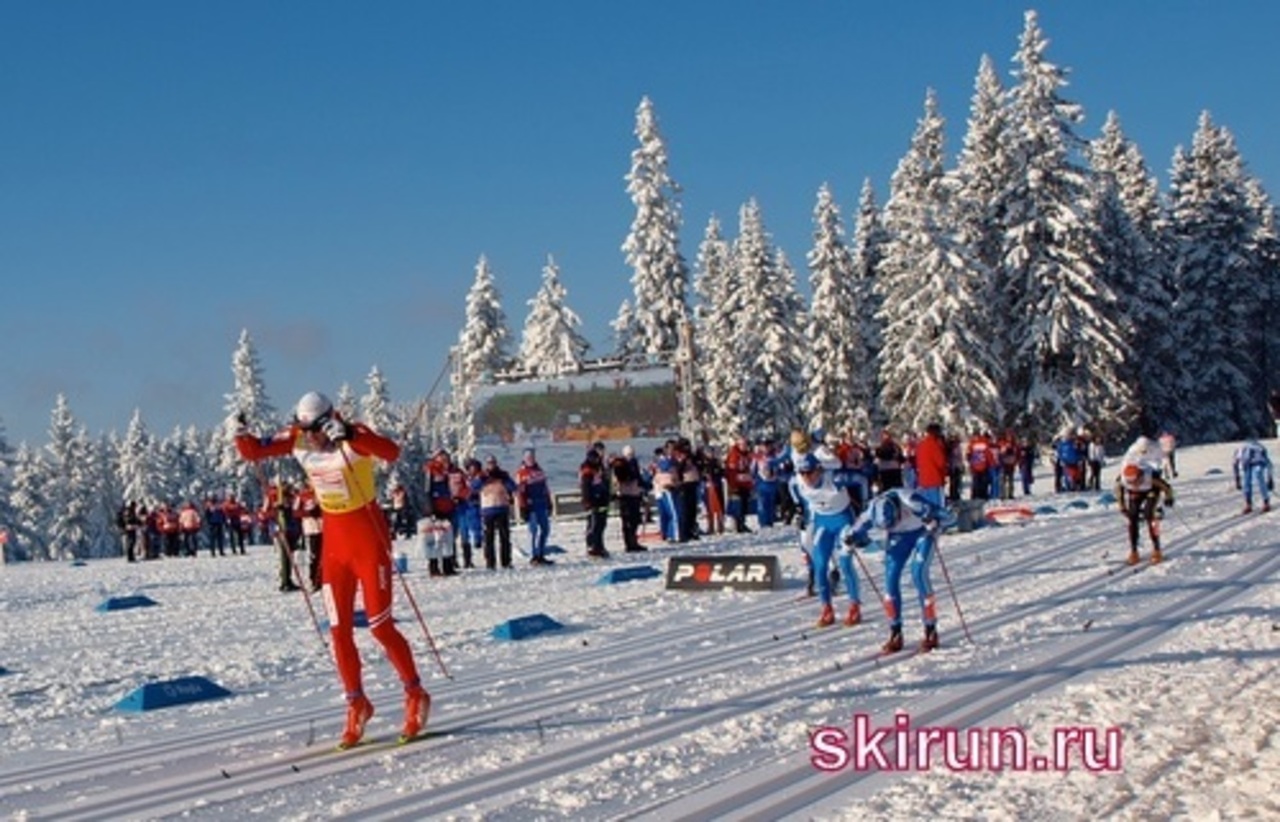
[1265, 259]
[1065, 349]
[937, 364]
[346, 402]
[652, 248]
[480, 353]
[771, 316]
[377, 412]
[832, 335]
[1125, 199]
[1211, 227]
[70, 495]
[552, 344]
[32, 506]
[867, 252]
[627, 346]
[719, 315]
[8, 516]
[136, 469]
[248, 396]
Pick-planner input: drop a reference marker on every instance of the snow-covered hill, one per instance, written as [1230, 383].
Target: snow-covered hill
[662, 704]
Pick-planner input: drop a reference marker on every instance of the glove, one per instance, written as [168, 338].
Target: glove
[242, 424]
[336, 430]
[1168, 501]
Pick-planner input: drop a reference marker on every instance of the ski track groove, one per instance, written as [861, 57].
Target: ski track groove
[206, 785]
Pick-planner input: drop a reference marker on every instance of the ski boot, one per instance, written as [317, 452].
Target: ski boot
[827, 617]
[1157, 556]
[1133, 557]
[417, 707]
[854, 616]
[930, 640]
[895, 641]
[1248, 508]
[359, 712]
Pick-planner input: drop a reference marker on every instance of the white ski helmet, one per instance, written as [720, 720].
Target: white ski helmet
[313, 407]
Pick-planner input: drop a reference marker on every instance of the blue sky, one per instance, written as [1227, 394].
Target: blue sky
[326, 174]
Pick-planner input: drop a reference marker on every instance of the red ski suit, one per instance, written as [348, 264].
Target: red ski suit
[356, 539]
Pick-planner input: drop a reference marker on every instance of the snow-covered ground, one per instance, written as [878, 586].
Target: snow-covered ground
[663, 704]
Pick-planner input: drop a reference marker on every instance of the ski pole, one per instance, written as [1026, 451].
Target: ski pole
[866, 572]
[282, 544]
[959, 613]
[408, 592]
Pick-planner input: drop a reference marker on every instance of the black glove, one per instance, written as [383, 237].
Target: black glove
[242, 424]
[336, 430]
[1168, 502]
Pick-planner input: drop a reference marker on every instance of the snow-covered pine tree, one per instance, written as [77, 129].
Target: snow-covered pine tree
[1265, 257]
[69, 491]
[7, 514]
[867, 250]
[782, 351]
[1211, 227]
[482, 351]
[831, 338]
[1066, 350]
[769, 309]
[551, 344]
[377, 412]
[719, 310]
[248, 395]
[31, 503]
[652, 248]
[627, 346]
[1125, 211]
[937, 362]
[346, 402]
[136, 471]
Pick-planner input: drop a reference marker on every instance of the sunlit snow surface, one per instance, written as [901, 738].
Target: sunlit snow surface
[664, 705]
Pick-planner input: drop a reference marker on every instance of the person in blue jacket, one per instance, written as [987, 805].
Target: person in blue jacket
[910, 524]
[1252, 468]
[827, 511]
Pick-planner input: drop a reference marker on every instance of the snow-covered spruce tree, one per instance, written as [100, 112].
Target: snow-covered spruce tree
[1265, 257]
[377, 412]
[551, 344]
[346, 402]
[832, 334]
[136, 470]
[1211, 227]
[69, 491]
[7, 516]
[652, 248]
[1065, 348]
[978, 185]
[29, 538]
[769, 309]
[482, 351]
[719, 310]
[867, 250]
[1126, 213]
[248, 395]
[937, 361]
[783, 351]
[627, 346]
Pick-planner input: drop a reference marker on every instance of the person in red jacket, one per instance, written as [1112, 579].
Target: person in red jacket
[337, 457]
[932, 464]
[737, 473]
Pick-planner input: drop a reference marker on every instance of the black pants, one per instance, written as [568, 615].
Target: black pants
[1143, 505]
[629, 511]
[497, 527]
[597, 519]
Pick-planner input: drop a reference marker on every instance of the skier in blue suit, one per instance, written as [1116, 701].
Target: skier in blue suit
[822, 493]
[1252, 468]
[911, 524]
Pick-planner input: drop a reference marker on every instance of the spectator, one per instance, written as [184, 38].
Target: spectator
[215, 521]
[629, 482]
[190, 524]
[737, 470]
[533, 496]
[493, 488]
[593, 484]
[233, 512]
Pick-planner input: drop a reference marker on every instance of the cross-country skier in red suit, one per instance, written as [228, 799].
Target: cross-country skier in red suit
[337, 457]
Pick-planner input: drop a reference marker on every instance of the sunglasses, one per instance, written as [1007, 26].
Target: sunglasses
[315, 425]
